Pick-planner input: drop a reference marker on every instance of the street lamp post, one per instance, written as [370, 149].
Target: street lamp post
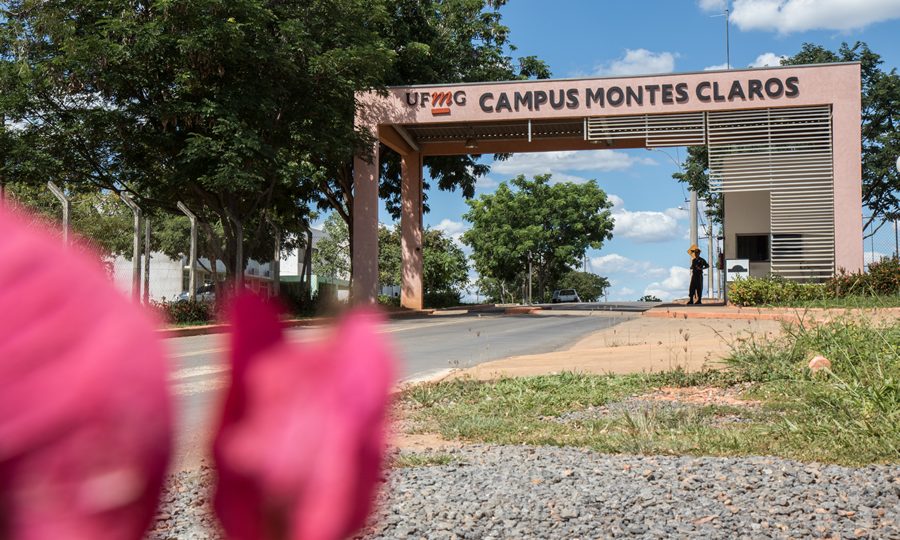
[136, 248]
[66, 209]
[192, 257]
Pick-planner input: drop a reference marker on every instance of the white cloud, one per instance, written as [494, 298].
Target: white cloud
[645, 226]
[767, 59]
[617, 202]
[639, 62]
[677, 213]
[557, 163]
[485, 183]
[625, 292]
[712, 5]
[674, 286]
[453, 229]
[614, 263]
[716, 67]
[786, 16]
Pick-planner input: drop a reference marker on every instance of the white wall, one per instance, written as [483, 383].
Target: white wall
[166, 276]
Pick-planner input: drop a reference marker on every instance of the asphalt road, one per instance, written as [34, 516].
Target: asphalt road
[425, 346]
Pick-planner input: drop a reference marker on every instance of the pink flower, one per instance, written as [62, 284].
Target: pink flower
[301, 447]
[84, 408]
[819, 363]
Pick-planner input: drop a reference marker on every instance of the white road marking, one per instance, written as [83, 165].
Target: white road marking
[199, 371]
[199, 387]
[310, 336]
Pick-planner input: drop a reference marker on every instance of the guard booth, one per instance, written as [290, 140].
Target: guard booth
[784, 150]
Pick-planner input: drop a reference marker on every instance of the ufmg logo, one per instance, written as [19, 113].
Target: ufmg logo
[441, 101]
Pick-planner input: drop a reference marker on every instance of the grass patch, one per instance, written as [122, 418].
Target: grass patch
[847, 302]
[410, 460]
[849, 415]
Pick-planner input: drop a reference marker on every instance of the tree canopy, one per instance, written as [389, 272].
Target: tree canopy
[589, 286]
[550, 225]
[331, 255]
[242, 109]
[445, 267]
[204, 101]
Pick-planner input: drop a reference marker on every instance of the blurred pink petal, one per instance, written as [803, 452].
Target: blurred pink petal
[313, 437]
[255, 327]
[85, 416]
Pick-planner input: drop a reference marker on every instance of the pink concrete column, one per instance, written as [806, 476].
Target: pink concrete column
[848, 231]
[364, 251]
[411, 231]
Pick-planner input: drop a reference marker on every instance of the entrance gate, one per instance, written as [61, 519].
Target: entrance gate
[784, 150]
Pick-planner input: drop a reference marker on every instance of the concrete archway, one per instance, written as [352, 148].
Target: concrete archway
[784, 143]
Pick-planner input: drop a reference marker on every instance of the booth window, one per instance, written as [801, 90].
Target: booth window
[753, 246]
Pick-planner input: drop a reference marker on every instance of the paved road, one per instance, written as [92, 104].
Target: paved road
[426, 346]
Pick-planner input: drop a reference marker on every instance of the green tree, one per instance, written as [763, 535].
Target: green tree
[331, 257]
[649, 298]
[695, 173]
[590, 286]
[552, 225]
[225, 105]
[100, 220]
[880, 131]
[445, 268]
[434, 41]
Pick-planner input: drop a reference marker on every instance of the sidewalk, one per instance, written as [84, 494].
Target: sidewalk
[639, 344]
[665, 338]
[787, 314]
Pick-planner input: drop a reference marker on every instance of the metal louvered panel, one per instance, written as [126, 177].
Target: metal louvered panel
[656, 130]
[787, 152]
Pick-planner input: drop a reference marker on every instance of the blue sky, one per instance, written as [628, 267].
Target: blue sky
[580, 38]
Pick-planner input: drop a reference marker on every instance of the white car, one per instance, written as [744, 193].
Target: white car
[565, 295]
[205, 293]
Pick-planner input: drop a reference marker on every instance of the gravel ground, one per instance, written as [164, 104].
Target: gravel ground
[544, 492]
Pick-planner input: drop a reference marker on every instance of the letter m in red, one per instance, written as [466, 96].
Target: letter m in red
[440, 102]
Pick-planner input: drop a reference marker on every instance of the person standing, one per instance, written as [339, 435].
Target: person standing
[698, 265]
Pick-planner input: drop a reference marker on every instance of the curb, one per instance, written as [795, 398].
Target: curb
[522, 310]
[437, 376]
[207, 329]
[790, 317]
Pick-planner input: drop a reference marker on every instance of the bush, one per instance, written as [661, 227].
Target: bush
[882, 279]
[387, 300]
[773, 291]
[186, 312]
[442, 299]
[295, 302]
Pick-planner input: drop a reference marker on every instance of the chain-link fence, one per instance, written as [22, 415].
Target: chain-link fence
[881, 239]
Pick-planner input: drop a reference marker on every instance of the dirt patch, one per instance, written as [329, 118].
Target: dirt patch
[421, 442]
[672, 400]
[703, 395]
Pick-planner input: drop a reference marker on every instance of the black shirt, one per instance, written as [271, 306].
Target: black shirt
[698, 265]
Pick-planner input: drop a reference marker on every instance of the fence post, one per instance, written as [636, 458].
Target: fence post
[136, 252]
[147, 261]
[896, 239]
[276, 258]
[238, 251]
[66, 208]
[192, 259]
